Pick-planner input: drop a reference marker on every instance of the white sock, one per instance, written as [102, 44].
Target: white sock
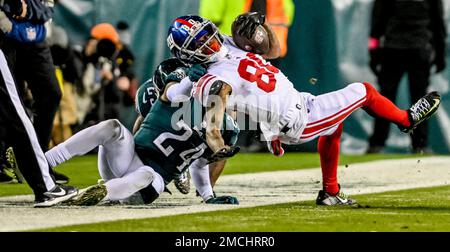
[57, 155]
[200, 176]
[84, 141]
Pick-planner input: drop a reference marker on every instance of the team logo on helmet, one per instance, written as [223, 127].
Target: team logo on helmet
[194, 39]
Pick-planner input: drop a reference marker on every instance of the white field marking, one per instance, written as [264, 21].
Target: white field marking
[254, 189]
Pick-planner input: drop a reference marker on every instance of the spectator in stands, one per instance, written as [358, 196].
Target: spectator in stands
[108, 75]
[407, 36]
[68, 73]
[127, 81]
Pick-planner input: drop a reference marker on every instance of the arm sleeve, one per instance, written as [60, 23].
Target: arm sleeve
[38, 12]
[13, 7]
[202, 88]
[381, 12]
[200, 175]
[438, 28]
[180, 92]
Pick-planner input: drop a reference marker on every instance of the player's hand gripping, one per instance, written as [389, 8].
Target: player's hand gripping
[228, 200]
[224, 153]
[248, 22]
[275, 147]
[194, 73]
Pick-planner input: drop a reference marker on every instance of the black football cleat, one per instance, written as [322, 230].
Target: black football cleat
[183, 182]
[56, 195]
[422, 110]
[90, 196]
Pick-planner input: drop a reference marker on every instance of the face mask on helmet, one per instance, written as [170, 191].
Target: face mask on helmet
[194, 40]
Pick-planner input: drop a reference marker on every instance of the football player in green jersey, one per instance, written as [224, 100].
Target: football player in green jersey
[164, 146]
[149, 92]
[146, 96]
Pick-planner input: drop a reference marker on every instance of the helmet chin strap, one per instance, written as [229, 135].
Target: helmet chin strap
[221, 54]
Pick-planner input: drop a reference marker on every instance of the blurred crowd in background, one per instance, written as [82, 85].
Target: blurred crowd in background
[97, 79]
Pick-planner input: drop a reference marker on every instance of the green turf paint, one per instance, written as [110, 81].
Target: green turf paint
[83, 172]
[418, 210]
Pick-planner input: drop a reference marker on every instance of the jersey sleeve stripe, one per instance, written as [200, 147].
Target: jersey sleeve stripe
[204, 84]
[200, 83]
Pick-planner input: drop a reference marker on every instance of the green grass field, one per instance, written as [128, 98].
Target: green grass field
[83, 170]
[425, 209]
[410, 210]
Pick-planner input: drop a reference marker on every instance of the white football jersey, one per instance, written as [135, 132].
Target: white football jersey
[258, 89]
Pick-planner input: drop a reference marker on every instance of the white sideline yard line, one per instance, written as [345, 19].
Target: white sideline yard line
[254, 189]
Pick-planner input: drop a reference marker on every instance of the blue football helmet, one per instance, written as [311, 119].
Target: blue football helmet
[194, 39]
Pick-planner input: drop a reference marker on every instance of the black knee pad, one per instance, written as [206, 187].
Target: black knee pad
[149, 194]
[113, 125]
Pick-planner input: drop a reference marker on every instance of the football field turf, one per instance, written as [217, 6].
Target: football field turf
[83, 170]
[409, 210]
[425, 209]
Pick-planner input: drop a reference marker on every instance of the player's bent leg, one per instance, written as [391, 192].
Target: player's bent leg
[83, 142]
[379, 106]
[117, 156]
[326, 112]
[406, 120]
[325, 120]
[329, 148]
[122, 188]
[103, 167]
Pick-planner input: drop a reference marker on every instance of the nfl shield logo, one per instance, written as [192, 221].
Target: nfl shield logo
[31, 33]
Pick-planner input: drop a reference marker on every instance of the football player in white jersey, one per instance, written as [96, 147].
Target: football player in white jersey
[242, 80]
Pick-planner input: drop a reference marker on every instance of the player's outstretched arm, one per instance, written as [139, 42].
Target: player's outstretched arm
[181, 82]
[248, 36]
[218, 96]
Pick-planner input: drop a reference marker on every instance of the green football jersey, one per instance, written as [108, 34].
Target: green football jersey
[146, 95]
[171, 138]
[168, 143]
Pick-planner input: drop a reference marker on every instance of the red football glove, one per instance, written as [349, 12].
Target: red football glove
[275, 147]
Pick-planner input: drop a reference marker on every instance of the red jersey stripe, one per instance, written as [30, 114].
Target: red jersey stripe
[338, 118]
[312, 124]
